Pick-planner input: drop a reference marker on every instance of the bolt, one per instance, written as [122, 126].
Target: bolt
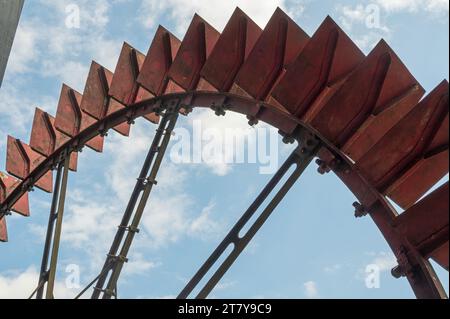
[360, 210]
[288, 139]
[252, 121]
[398, 272]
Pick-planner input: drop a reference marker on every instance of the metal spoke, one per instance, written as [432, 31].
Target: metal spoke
[144, 185]
[301, 157]
[58, 230]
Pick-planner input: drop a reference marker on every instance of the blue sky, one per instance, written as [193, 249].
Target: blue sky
[312, 246]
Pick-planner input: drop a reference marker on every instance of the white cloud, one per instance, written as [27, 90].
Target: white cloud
[432, 6]
[20, 285]
[63, 52]
[169, 216]
[310, 289]
[137, 265]
[232, 139]
[216, 12]
[384, 261]
[364, 24]
[23, 52]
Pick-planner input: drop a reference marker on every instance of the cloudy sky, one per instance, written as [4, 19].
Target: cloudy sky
[312, 247]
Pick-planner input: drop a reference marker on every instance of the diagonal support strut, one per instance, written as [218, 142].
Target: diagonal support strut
[118, 252]
[301, 157]
[54, 229]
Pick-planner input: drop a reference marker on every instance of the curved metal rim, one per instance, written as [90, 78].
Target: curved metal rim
[381, 211]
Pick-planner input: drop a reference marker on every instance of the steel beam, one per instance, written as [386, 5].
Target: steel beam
[43, 277]
[144, 185]
[301, 158]
[58, 230]
[47, 273]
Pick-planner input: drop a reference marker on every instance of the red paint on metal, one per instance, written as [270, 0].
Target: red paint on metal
[68, 114]
[124, 87]
[425, 224]
[231, 50]
[196, 47]
[95, 96]
[162, 52]
[97, 142]
[277, 47]
[328, 57]
[7, 185]
[21, 160]
[45, 139]
[71, 120]
[370, 89]
[377, 126]
[440, 255]
[417, 180]
[3, 230]
[407, 142]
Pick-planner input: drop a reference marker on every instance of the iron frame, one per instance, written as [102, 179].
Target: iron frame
[420, 274]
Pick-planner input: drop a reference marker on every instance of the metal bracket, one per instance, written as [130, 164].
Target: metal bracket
[360, 210]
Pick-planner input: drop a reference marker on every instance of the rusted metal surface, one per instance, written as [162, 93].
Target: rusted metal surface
[162, 52]
[425, 225]
[21, 160]
[277, 47]
[125, 89]
[369, 91]
[407, 143]
[3, 230]
[196, 47]
[327, 59]
[7, 185]
[70, 119]
[230, 52]
[376, 136]
[95, 97]
[45, 138]
[124, 86]
[356, 183]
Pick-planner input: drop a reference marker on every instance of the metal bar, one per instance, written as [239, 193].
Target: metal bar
[43, 277]
[130, 207]
[301, 157]
[92, 283]
[112, 284]
[58, 229]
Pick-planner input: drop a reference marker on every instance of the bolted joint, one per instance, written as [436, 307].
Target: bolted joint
[77, 148]
[187, 109]
[103, 133]
[133, 229]
[398, 272]
[360, 210]
[119, 258]
[323, 167]
[219, 110]
[288, 139]
[404, 266]
[326, 167]
[252, 121]
[150, 180]
[158, 111]
[6, 213]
